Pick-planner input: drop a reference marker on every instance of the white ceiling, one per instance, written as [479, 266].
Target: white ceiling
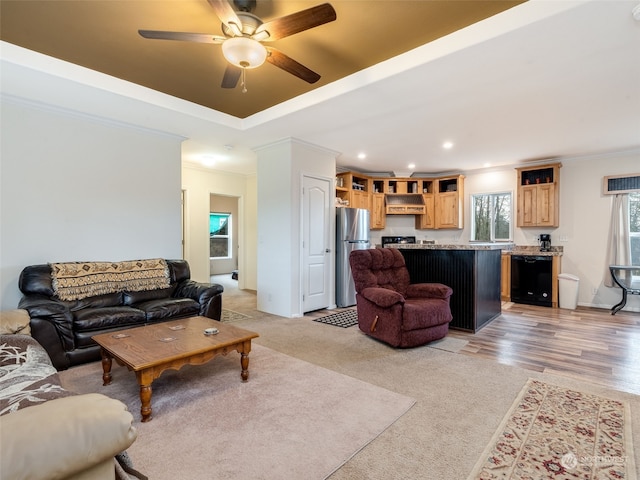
[544, 80]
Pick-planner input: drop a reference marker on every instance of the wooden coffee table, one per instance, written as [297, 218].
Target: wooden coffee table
[152, 349]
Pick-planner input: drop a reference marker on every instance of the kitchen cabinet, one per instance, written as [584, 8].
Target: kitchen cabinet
[555, 271]
[352, 190]
[359, 199]
[442, 198]
[505, 277]
[538, 194]
[402, 185]
[402, 197]
[427, 219]
[378, 214]
[449, 202]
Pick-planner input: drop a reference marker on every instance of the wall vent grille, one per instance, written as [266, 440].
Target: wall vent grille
[621, 184]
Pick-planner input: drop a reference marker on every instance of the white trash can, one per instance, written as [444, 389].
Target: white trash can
[568, 290]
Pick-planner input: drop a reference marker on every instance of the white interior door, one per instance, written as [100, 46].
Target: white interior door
[316, 213]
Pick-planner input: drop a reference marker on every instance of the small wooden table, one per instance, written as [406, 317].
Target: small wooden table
[152, 349]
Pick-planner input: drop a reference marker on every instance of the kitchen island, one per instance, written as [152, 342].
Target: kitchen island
[472, 271]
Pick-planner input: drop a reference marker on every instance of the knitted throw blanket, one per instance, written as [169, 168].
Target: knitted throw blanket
[78, 280]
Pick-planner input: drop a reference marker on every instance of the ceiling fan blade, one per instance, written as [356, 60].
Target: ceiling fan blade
[288, 64]
[227, 15]
[182, 36]
[298, 22]
[231, 76]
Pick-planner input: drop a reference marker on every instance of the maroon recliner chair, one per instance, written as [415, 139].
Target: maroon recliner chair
[390, 308]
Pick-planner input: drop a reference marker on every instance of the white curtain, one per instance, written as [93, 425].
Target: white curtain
[619, 249]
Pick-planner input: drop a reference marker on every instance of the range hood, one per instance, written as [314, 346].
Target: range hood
[404, 204]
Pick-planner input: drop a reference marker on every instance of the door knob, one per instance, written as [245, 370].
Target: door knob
[327, 250]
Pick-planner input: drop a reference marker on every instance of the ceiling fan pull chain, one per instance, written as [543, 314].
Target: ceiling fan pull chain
[244, 81]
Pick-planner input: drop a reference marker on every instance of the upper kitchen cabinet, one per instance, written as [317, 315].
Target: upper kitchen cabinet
[353, 190]
[449, 195]
[378, 214]
[538, 194]
[427, 219]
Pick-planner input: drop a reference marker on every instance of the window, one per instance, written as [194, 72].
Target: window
[491, 219]
[220, 235]
[634, 227]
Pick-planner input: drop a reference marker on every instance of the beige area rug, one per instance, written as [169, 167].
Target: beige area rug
[557, 433]
[448, 344]
[292, 419]
[231, 316]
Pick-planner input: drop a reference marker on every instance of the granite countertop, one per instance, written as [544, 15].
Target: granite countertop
[438, 246]
[533, 250]
[508, 249]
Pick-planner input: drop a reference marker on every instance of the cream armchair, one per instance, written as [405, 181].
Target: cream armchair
[73, 437]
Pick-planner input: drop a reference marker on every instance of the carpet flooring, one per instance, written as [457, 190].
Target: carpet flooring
[344, 319]
[460, 400]
[292, 419]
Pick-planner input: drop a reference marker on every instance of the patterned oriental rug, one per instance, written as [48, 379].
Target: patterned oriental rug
[555, 433]
[232, 316]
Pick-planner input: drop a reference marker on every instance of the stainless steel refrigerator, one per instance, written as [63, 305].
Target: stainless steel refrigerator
[352, 233]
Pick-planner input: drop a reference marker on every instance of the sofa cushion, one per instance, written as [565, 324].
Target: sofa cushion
[27, 376]
[131, 298]
[106, 300]
[108, 317]
[161, 309]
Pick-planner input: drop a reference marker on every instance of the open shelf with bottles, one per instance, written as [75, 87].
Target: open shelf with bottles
[542, 175]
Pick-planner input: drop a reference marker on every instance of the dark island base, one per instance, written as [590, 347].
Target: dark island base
[474, 276]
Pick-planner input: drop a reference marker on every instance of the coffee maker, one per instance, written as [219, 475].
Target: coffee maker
[545, 242]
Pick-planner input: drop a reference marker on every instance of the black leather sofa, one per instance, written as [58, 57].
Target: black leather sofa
[65, 328]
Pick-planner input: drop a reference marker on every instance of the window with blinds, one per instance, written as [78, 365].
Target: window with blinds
[621, 184]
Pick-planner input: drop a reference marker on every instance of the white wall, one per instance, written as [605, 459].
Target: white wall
[199, 183]
[281, 167]
[584, 220]
[75, 188]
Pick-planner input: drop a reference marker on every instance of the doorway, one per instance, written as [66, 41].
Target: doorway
[223, 234]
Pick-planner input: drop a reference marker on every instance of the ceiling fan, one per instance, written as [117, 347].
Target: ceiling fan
[243, 36]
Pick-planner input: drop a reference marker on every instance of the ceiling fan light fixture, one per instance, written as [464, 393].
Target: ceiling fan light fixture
[244, 52]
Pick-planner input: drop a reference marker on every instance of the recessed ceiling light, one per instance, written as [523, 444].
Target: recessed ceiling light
[411, 166]
[447, 145]
[362, 155]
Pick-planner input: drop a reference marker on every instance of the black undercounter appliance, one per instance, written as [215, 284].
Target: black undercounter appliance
[531, 281]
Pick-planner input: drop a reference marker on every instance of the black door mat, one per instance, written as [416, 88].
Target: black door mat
[344, 319]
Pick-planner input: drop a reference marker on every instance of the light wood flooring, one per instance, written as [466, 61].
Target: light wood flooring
[588, 343]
